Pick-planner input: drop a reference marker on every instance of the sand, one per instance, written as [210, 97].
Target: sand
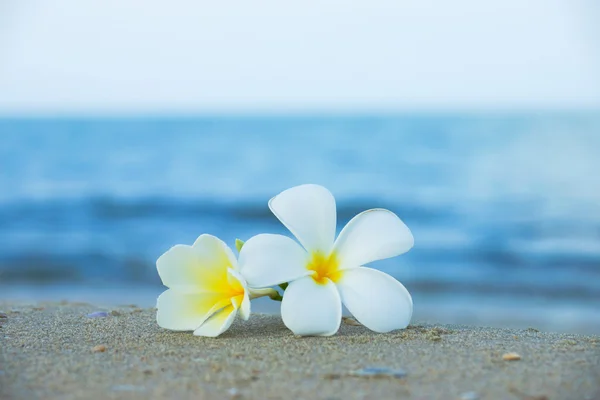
[54, 351]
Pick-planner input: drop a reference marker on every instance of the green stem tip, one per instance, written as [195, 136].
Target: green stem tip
[276, 296]
[239, 244]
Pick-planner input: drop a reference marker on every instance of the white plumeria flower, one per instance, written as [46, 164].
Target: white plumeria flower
[323, 274]
[206, 289]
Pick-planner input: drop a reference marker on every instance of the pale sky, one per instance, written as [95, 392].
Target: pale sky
[150, 56]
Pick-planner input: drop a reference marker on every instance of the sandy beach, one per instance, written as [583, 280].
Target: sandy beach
[57, 351]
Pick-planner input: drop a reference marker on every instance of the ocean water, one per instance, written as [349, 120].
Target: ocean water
[505, 209]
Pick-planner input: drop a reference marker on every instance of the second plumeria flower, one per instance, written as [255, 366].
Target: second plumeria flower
[323, 273]
[206, 289]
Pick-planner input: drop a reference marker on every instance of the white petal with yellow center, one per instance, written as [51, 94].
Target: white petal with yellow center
[375, 299]
[206, 289]
[198, 268]
[309, 212]
[267, 260]
[311, 309]
[324, 268]
[370, 236]
[329, 272]
[181, 311]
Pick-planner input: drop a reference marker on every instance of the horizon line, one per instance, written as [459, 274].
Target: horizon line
[299, 113]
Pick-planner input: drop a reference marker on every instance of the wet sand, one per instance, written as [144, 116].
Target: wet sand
[55, 351]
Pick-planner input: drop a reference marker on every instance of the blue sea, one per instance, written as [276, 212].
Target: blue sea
[505, 208]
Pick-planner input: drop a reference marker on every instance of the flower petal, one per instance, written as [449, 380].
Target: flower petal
[180, 311]
[241, 300]
[198, 268]
[214, 251]
[178, 265]
[311, 309]
[370, 236]
[236, 281]
[376, 300]
[218, 323]
[267, 260]
[308, 211]
[245, 307]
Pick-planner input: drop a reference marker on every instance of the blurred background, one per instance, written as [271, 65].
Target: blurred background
[128, 127]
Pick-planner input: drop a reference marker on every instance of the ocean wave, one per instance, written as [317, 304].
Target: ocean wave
[112, 208]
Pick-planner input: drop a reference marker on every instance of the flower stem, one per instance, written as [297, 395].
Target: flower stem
[272, 293]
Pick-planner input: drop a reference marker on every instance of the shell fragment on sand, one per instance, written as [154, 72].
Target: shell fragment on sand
[99, 348]
[511, 357]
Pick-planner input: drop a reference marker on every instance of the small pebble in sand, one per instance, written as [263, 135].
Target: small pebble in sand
[234, 393]
[469, 396]
[378, 372]
[98, 314]
[99, 348]
[3, 316]
[351, 321]
[511, 357]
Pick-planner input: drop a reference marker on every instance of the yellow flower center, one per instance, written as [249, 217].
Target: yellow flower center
[324, 267]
